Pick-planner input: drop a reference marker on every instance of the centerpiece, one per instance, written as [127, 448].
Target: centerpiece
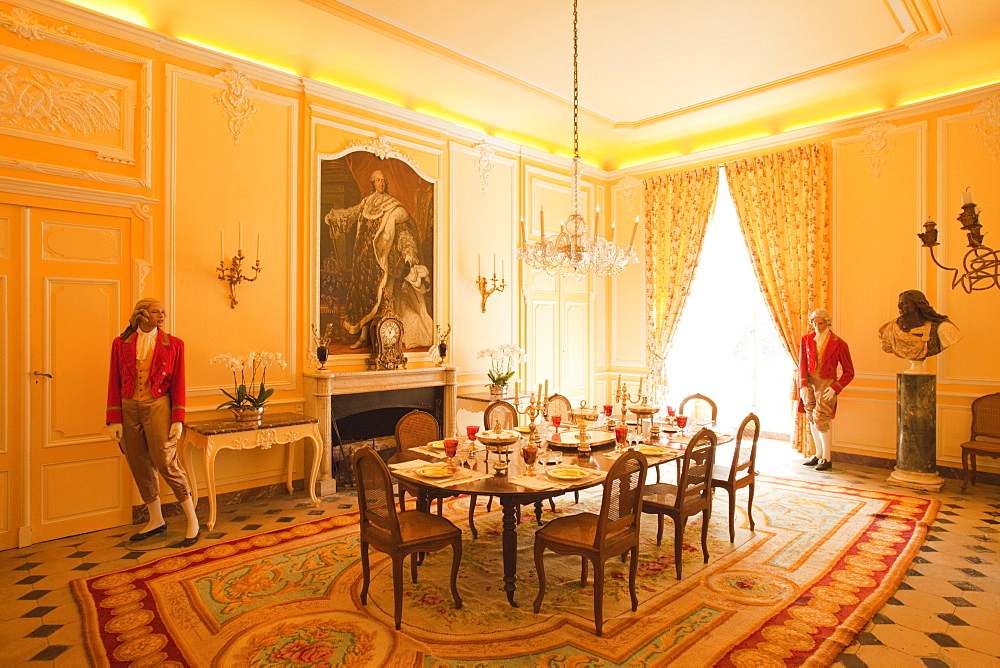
[247, 399]
[502, 361]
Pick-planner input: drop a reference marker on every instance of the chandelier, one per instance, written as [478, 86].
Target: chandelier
[573, 250]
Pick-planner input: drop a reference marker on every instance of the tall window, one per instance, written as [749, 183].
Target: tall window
[726, 346]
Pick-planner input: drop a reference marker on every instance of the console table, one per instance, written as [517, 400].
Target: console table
[211, 436]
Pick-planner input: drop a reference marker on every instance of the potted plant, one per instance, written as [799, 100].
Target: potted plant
[502, 362]
[247, 399]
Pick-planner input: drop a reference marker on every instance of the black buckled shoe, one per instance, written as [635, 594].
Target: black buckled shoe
[143, 535]
[824, 465]
[811, 462]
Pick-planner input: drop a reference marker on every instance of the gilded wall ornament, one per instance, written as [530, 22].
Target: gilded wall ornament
[43, 101]
[381, 147]
[989, 127]
[485, 164]
[235, 102]
[877, 145]
[630, 188]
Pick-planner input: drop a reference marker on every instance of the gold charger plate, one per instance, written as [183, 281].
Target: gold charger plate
[435, 471]
[567, 474]
[436, 445]
[651, 450]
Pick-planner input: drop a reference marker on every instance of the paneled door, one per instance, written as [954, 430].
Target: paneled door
[79, 277]
[11, 489]
[558, 311]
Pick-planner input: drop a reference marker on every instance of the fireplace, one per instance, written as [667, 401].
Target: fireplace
[359, 406]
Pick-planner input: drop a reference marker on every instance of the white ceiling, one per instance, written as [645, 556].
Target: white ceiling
[657, 77]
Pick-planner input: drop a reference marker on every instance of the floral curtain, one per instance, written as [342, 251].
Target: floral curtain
[678, 208]
[782, 203]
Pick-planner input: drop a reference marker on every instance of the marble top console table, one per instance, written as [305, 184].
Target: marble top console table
[211, 436]
[320, 387]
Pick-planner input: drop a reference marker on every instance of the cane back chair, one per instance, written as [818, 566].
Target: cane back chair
[740, 472]
[985, 437]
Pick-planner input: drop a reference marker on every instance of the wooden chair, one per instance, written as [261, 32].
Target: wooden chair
[598, 538]
[694, 399]
[691, 495]
[985, 425]
[740, 472]
[559, 405]
[398, 534]
[503, 411]
[415, 429]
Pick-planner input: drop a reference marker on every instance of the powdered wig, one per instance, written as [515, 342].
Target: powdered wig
[138, 314]
[821, 313]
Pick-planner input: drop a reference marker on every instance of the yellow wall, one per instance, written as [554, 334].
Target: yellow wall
[172, 167]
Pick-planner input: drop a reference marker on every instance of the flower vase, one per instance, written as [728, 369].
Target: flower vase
[498, 391]
[248, 414]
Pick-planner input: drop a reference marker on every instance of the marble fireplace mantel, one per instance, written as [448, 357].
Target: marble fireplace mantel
[320, 386]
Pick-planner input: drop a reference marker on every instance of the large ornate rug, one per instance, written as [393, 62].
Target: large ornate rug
[822, 560]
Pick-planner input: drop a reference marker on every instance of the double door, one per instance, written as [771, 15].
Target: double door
[65, 289]
[559, 334]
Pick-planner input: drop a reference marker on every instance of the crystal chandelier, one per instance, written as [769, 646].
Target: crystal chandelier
[574, 250]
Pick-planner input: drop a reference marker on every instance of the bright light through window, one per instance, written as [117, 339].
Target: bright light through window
[726, 346]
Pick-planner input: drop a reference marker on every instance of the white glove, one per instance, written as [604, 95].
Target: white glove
[176, 429]
[828, 394]
[804, 394]
[115, 429]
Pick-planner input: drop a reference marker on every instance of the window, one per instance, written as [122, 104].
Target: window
[726, 346]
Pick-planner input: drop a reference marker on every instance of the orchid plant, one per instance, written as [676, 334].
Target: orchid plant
[502, 362]
[248, 394]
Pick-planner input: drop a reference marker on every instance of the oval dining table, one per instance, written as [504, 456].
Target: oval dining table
[512, 496]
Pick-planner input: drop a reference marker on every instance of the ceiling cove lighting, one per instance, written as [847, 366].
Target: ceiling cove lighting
[574, 250]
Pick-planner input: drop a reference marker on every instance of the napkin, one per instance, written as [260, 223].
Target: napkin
[424, 450]
[412, 464]
[534, 482]
[459, 478]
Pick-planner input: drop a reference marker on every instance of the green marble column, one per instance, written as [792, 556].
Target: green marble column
[916, 432]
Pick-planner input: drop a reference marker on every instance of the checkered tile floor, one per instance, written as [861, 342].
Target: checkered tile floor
[946, 613]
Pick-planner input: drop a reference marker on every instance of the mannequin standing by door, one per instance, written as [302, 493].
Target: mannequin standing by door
[820, 353]
[146, 396]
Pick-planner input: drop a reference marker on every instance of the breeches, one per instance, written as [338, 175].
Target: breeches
[145, 426]
[818, 410]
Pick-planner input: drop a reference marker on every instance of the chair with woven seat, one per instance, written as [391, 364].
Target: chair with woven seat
[415, 429]
[398, 534]
[740, 472]
[691, 404]
[691, 495]
[611, 533]
[985, 438]
[559, 405]
[503, 411]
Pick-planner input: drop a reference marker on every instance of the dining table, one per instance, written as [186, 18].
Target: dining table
[515, 487]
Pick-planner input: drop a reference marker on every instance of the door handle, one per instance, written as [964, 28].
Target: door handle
[39, 373]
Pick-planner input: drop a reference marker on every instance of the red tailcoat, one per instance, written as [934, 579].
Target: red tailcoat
[837, 353]
[166, 374]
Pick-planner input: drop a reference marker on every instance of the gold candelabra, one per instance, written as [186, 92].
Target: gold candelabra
[623, 397]
[981, 264]
[487, 286]
[532, 410]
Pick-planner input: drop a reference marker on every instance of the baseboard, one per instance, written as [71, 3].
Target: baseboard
[984, 477]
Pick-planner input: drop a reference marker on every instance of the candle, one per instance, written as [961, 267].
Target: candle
[967, 197]
[240, 247]
[258, 245]
[494, 265]
[640, 386]
[546, 388]
[619, 389]
[539, 389]
[612, 230]
[501, 271]
[522, 231]
[541, 218]
[634, 230]
[222, 246]
[479, 272]
[517, 390]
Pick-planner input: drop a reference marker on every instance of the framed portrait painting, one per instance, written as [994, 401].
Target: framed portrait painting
[376, 245]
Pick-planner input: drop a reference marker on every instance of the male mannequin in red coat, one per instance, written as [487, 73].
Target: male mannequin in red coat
[820, 353]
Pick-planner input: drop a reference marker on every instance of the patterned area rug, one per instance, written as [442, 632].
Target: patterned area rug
[822, 560]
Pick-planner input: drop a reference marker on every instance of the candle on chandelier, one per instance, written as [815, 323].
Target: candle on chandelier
[612, 230]
[258, 246]
[523, 237]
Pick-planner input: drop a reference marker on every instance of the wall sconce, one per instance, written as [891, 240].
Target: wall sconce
[981, 264]
[483, 282]
[233, 274]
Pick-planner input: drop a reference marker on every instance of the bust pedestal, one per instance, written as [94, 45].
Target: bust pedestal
[916, 433]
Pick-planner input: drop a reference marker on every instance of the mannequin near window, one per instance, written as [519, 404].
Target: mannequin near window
[821, 352]
[145, 414]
